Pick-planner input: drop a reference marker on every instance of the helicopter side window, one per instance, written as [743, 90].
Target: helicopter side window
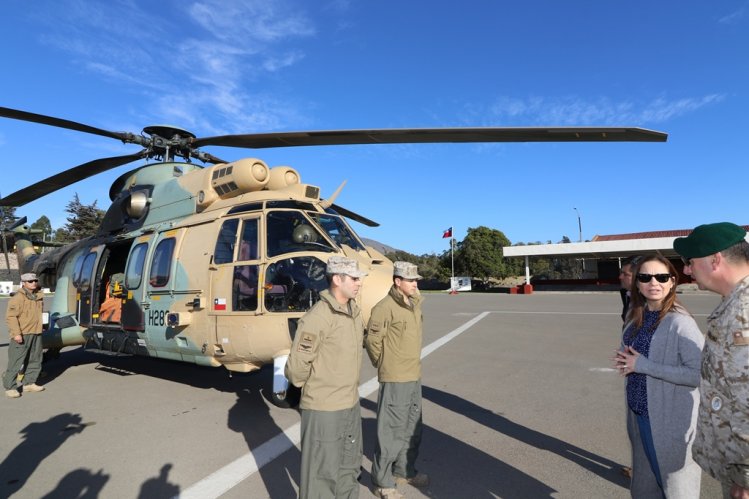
[294, 284]
[290, 231]
[227, 238]
[245, 288]
[84, 278]
[134, 272]
[77, 270]
[161, 263]
[248, 244]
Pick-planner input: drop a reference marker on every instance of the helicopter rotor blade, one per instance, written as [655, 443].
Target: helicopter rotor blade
[68, 177]
[431, 135]
[61, 123]
[354, 216]
[21, 221]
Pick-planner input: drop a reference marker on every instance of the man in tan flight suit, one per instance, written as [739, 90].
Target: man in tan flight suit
[393, 343]
[24, 319]
[325, 361]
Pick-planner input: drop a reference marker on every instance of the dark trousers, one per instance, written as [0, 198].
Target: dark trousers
[399, 430]
[331, 453]
[29, 353]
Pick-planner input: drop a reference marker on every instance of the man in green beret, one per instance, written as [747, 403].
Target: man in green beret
[717, 257]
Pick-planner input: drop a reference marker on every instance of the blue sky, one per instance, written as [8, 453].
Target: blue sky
[242, 66]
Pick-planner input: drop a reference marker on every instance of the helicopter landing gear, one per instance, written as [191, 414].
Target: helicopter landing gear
[283, 395]
[288, 399]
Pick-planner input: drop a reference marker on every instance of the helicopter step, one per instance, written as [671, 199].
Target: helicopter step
[115, 343]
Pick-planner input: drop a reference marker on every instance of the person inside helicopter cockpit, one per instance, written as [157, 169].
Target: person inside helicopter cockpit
[291, 231]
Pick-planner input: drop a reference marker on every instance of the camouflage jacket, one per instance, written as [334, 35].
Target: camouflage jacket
[24, 314]
[325, 357]
[393, 338]
[722, 444]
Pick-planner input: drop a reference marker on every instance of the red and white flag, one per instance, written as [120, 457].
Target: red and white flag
[447, 233]
[219, 304]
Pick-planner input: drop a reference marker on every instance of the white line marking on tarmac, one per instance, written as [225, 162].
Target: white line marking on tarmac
[220, 481]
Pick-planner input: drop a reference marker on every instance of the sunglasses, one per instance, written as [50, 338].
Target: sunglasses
[645, 278]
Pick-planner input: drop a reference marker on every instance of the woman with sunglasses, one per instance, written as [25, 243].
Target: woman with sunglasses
[660, 356]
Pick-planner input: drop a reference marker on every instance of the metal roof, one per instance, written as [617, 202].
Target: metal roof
[612, 246]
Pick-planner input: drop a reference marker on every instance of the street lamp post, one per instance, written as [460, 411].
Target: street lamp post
[579, 225]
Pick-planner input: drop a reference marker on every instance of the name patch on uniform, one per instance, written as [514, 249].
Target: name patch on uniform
[375, 327]
[741, 337]
[307, 342]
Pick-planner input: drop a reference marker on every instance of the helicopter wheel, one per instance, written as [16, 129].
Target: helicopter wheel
[288, 399]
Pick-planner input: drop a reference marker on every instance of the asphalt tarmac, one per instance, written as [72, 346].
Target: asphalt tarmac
[520, 401]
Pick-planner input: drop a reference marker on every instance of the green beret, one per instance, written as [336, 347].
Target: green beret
[709, 239]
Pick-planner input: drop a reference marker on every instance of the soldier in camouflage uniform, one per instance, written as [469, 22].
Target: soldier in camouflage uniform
[324, 362]
[717, 257]
[393, 344]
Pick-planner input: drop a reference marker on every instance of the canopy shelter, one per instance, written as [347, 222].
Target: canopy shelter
[608, 247]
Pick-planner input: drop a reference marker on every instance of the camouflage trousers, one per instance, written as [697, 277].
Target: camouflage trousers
[399, 430]
[331, 453]
[29, 353]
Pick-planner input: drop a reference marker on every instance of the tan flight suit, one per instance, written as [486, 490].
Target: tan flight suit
[324, 362]
[24, 317]
[393, 342]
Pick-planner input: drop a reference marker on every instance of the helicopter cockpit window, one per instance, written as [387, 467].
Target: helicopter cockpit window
[290, 231]
[134, 272]
[227, 238]
[337, 230]
[245, 288]
[84, 278]
[161, 263]
[294, 284]
[248, 243]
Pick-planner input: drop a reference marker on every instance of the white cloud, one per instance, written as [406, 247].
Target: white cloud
[566, 111]
[250, 21]
[190, 60]
[734, 17]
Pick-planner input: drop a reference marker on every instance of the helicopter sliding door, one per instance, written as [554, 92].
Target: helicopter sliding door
[160, 293]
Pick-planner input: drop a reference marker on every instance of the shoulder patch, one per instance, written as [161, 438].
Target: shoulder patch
[307, 342]
[375, 327]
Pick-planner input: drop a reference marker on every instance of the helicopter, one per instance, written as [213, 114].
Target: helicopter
[214, 264]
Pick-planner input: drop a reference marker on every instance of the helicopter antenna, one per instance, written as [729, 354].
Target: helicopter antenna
[327, 203]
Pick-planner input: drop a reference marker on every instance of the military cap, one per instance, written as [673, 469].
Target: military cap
[29, 276]
[709, 239]
[343, 265]
[405, 270]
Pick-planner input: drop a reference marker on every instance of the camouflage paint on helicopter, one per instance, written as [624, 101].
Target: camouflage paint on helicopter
[215, 265]
[204, 251]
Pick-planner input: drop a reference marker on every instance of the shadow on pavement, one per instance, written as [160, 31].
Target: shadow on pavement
[601, 466]
[40, 440]
[457, 469]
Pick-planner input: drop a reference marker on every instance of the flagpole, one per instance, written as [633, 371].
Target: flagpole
[452, 261]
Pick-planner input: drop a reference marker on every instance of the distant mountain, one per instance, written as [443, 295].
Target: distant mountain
[382, 248]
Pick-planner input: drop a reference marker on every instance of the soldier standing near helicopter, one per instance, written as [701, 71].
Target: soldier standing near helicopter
[393, 342]
[24, 319]
[325, 361]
